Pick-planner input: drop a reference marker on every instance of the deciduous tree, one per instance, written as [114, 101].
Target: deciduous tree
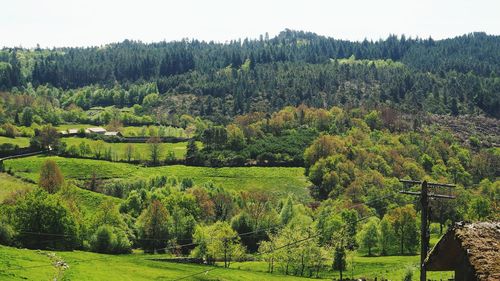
[51, 178]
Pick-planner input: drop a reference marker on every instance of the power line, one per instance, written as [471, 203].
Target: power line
[425, 195]
[191, 244]
[290, 244]
[273, 250]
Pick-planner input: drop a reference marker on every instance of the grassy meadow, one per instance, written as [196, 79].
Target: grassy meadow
[87, 200]
[22, 264]
[132, 131]
[169, 131]
[386, 267]
[140, 150]
[10, 184]
[20, 141]
[19, 264]
[279, 180]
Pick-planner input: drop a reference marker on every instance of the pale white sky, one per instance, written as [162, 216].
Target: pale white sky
[96, 22]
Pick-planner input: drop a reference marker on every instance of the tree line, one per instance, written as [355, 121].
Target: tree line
[458, 75]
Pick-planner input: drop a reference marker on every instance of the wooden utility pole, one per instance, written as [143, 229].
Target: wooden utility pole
[424, 216]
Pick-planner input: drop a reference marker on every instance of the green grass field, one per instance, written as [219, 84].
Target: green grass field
[388, 267]
[21, 264]
[20, 141]
[9, 184]
[131, 131]
[279, 180]
[141, 150]
[87, 200]
[135, 131]
[18, 264]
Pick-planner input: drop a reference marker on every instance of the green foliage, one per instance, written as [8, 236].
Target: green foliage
[94, 267]
[408, 275]
[153, 227]
[110, 240]
[287, 212]
[126, 151]
[387, 236]
[231, 178]
[27, 116]
[257, 75]
[373, 120]
[480, 208]
[11, 185]
[404, 222]
[427, 162]
[38, 212]
[215, 137]
[218, 241]
[339, 262]
[369, 236]
[6, 234]
[285, 251]
[51, 177]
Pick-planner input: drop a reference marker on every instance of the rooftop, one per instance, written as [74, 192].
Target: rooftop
[478, 242]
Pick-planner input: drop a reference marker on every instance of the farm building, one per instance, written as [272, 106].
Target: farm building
[472, 250]
[69, 132]
[115, 134]
[96, 130]
[72, 132]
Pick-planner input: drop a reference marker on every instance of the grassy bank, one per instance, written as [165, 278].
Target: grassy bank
[279, 180]
[21, 264]
[19, 141]
[10, 184]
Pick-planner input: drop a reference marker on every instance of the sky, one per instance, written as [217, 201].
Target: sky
[57, 23]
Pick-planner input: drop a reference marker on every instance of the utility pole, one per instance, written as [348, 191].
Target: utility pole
[424, 215]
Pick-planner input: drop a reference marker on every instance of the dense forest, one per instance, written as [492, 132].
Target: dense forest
[452, 76]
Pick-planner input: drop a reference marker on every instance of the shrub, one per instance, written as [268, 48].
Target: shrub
[9, 130]
[110, 240]
[186, 183]
[50, 216]
[408, 275]
[6, 234]
[474, 141]
[103, 239]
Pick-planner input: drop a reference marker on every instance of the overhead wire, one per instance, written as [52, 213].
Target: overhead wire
[192, 244]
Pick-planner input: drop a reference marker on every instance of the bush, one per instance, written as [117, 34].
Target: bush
[186, 183]
[110, 240]
[102, 240]
[50, 216]
[9, 130]
[408, 275]
[6, 234]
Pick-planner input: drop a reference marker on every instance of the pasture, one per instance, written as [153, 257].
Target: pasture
[134, 131]
[140, 151]
[277, 180]
[144, 131]
[22, 264]
[10, 184]
[19, 141]
[384, 267]
[19, 264]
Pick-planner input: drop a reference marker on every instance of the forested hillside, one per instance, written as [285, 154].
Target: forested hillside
[279, 158]
[457, 76]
